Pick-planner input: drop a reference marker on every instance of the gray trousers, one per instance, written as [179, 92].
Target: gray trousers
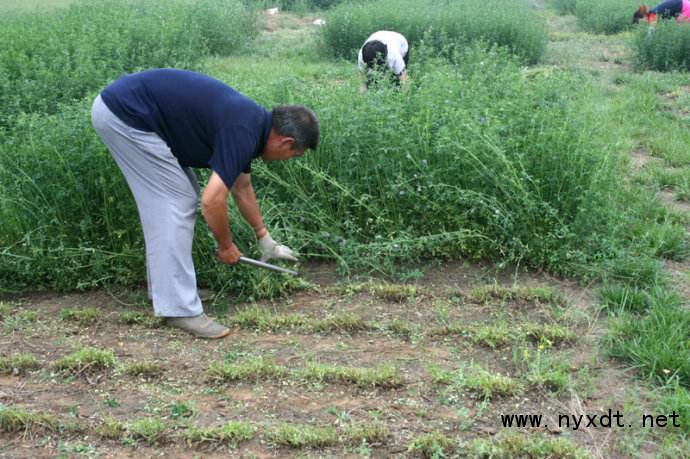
[166, 195]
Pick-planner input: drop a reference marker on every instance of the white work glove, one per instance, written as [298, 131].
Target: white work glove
[271, 249]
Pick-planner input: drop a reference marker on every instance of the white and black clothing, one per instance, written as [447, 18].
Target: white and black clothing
[384, 47]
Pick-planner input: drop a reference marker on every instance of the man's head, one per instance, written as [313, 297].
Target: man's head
[294, 130]
[374, 54]
[641, 13]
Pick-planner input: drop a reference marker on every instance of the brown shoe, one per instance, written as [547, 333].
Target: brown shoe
[200, 326]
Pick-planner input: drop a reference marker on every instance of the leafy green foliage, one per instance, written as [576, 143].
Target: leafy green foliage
[510, 23]
[664, 47]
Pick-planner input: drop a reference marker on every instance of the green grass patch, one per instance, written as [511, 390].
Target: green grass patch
[303, 436]
[618, 297]
[675, 398]
[81, 316]
[657, 344]
[229, 434]
[18, 363]
[87, 359]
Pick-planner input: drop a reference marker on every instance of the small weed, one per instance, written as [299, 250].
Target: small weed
[394, 293]
[255, 369]
[486, 384]
[147, 370]
[181, 410]
[18, 363]
[439, 375]
[433, 446]
[111, 429]
[5, 310]
[150, 430]
[20, 320]
[453, 329]
[230, 434]
[541, 369]
[548, 335]
[81, 316]
[401, 329]
[494, 335]
[87, 358]
[303, 436]
[536, 446]
[348, 323]
[17, 420]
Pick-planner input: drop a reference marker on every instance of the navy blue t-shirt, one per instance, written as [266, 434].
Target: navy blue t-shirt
[205, 122]
[669, 8]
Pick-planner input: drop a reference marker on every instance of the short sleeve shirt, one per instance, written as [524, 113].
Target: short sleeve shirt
[205, 122]
[396, 46]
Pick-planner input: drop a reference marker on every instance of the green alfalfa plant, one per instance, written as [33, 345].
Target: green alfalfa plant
[511, 24]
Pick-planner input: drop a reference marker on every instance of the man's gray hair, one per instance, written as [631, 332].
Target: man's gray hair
[298, 122]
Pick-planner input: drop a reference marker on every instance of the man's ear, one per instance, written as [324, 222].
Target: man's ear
[287, 141]
[643, 9]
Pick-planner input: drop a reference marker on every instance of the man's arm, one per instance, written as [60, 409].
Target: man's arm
[245, 198]
[214, 207]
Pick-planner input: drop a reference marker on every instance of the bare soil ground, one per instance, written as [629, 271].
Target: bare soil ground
[422, 330]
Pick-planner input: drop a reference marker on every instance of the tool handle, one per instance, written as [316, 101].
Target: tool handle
[261, 264]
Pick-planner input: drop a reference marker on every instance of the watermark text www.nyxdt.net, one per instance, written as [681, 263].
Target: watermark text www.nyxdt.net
[575, 422]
